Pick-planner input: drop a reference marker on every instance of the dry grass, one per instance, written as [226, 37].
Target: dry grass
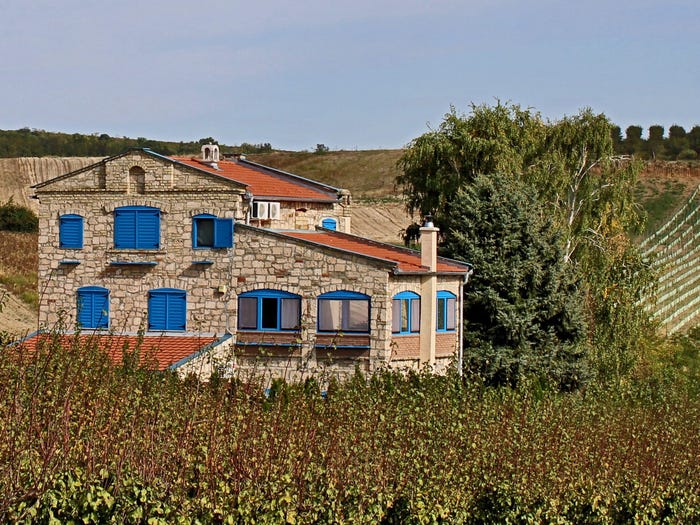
[19, 262]
[367, 174]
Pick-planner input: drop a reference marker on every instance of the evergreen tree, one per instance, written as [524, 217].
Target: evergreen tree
[523, 308]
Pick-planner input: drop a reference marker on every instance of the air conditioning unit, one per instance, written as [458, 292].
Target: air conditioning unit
[274, 210]
[260, 210]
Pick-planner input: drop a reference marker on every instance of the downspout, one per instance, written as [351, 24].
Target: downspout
[460, 353]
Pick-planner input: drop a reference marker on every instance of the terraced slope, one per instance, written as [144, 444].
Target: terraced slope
[674, 250]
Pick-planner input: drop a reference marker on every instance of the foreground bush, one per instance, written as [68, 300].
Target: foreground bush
[83, 440]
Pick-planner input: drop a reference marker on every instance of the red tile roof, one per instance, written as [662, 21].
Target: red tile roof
[407, 261]
[162, 351]
[266, 182]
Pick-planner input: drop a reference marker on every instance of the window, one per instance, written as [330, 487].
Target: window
[405, 309]
[70, 231]
[93, 307]
[343, 311]
[208, 231]
[269, 310]
[446, 311]
[329, 223]
[137, 227]
[167, 309]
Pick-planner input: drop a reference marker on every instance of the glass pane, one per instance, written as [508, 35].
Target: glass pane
[269, 313]
[415, 315]
[405, 305]
[205, 232]
[248, 313]
[451, 314]
[329, 315]
[441, 313]
[290, 314]
[396, 315]
[355, 315]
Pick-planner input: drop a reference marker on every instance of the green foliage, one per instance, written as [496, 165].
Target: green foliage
[523, 310]
[39, 143]
[84, 441]
[16, 218]
[588, 194]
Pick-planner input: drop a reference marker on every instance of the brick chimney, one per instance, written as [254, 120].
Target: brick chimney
[428, 303]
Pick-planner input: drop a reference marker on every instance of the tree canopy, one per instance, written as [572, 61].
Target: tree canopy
[566, 170]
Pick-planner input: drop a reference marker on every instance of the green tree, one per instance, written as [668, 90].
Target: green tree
[656, 147]
[504, 138]
[677, 141]
[571, 166]
[523, 309]
[633, 143]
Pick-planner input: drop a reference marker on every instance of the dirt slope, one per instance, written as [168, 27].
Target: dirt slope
[18, 174]
[16, 318]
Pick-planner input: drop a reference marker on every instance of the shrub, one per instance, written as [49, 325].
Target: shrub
[688, 154]
[16, 218]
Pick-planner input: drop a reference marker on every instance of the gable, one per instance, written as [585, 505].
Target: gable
[138, 172]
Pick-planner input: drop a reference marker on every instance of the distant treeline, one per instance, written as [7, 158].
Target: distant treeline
[27, 142]
[678, 145]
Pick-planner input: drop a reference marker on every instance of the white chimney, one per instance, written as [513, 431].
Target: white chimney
[428, 244]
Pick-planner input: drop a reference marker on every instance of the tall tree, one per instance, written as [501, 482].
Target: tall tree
[494, 139]
[523, 309]
[571, 166]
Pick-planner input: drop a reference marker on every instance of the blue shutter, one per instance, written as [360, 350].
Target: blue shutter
[124, 228]
[70, 231]
[167, 309]
[330, 224]
[148, 229]
[137, 227]
[93, 307]
[223, 234]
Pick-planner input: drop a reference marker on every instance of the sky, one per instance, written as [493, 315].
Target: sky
[361, 74]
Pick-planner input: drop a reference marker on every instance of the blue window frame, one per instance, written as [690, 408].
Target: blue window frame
[343, 311]
[93, 307]
[405, 308]
[137, 227]
[70, 231]
[446, 311]
[209, 231]
[329, 223]
[167, 309]
[269, 310]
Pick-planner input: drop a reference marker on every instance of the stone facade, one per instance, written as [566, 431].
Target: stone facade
[214, 278]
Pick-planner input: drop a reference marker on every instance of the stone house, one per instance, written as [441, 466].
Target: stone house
[224, 263]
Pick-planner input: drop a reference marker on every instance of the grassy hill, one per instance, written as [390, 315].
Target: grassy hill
[367, 174]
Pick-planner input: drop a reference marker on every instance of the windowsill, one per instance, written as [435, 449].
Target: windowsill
[203, 263]
[69, 262]
[133, 263]
[400, 334]
[135, 251]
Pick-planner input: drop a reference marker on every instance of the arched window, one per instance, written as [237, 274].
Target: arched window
[70, 231]
[137, 227]
[446, 311]
[329, 223]
[137, 180]
[343, 311]
[209, 231]
[167, 309]
[272, 310]
[405, 308]
[93, 307]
